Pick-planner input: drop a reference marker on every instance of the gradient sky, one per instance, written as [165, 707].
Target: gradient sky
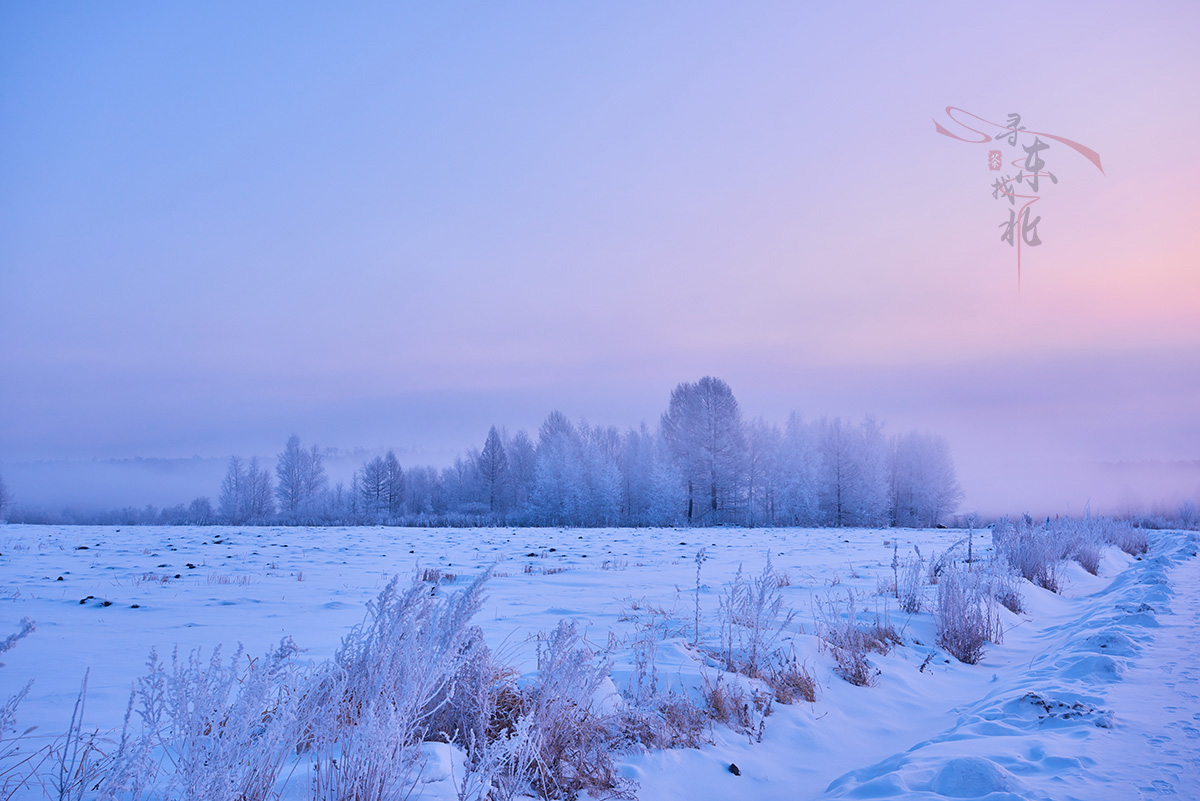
[396, 224]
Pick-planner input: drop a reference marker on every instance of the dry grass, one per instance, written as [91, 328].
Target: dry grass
[791, 681]
[729, 703]
[850, 642]
[435, 575]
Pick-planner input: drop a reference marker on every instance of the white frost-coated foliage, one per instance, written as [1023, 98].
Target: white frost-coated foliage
[1035, 550]
[924, 487]
[799, 462]
[246, 493]
[752, 619]
[1005, 586]
[965, 613]
[415, 669]
[850, 641]
[704, 433]
[210, 729]
[1100, 531]
[576, 478]
[11, 756]
[1032, 550]
[910, 587]
[380, 488]
[562, 742]
[301, 480]
[5, 500]
[494, 473]
[238, 729]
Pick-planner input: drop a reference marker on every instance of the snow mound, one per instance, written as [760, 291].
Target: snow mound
[971, 777]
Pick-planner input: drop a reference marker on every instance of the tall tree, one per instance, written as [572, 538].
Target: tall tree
[522, 461]
[231, 503]
[393, 485]
[372, 487]
[260, 501]
[874, 501]
[799, 468]
[597, 491]
[839, 476]
[762, 472]
[637, 470]
[703, 429]
[493, 472]
[301, 475]
[924, 485]
[556, 471]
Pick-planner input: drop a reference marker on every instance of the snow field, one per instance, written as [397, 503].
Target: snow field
[1033, 719]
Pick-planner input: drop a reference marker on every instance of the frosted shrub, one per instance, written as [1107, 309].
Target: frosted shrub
[743, 710]
[1033, 551]
[12, 759]
[390, 684]
[1005, 587]
[8, 713]
[752, 619]
[561, 744]
[910, 589]
[1088, 554]
[375, 757]
[965, 614]
[210, 729]
[850, 642]
[668, 720]
[790, 678]
[655, 716]
[1123, 535]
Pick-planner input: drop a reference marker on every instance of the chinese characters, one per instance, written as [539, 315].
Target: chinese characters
[1022, 188]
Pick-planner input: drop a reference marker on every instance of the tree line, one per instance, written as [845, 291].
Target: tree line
[703, 465]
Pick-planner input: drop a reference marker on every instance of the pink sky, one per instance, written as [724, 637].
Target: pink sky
[395, 226]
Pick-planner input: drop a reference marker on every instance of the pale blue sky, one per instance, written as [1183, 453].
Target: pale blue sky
[396, 224]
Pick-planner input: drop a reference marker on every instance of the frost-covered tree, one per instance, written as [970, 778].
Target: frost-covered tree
[598, 496]
[199, 512]
[522, 461]
[637, 471]
[461, 486]
[853, 481]
[493, 473]
[260, 498]
[873, 502]
[380, 487]
[703, 430]
[245, 493]
[301, 477]
[925, 488]
[423, 494]
[232, 500]
[556, 473]
[762, 472]
[372, 479]
[393, 485]
[839, 474]
[5, 500]
[799, 464]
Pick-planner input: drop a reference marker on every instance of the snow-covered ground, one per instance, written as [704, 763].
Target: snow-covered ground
[1094, 693]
